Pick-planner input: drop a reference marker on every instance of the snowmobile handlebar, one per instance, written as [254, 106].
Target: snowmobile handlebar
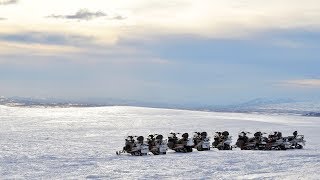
[131, 137]
[174, 133]
[245, 132]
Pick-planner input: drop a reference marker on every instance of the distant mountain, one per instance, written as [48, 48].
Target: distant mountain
[90, 102]
[313, 114]
[25, 101]
[259, 105]
[265, 101]
[281, 105]
[254, 105]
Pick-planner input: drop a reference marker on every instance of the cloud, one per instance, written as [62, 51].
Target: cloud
[227, 19]
[303, 83]
[46, 38]
[23, 44]
[82, 14]
[43, 43]
[23, 49]
[7, 2]
[119, 17]
[1, 19]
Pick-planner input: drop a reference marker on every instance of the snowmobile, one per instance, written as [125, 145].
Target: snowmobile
[260, 141]
[183, 144]
[135, 146]
[276, 142]
[201, 141]
[253, 143]
[243, 141]
[295, 142]
[222, 141]
[156, 144]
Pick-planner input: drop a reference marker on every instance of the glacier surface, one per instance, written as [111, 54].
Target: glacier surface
[80, 143]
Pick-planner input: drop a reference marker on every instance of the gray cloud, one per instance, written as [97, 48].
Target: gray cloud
[303, 83]
[82, 14]
[119, 17]
[1, 19]
[7, 2]
[47, 38]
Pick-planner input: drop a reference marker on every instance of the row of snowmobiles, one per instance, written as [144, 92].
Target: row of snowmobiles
[157, 145]
[273, 141]
[136, 146]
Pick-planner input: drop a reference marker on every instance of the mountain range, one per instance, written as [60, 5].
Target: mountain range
[259, 105]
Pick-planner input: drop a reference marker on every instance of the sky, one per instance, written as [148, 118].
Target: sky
[179, 51]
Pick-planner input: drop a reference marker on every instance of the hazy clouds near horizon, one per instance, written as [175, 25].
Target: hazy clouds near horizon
[177, 51]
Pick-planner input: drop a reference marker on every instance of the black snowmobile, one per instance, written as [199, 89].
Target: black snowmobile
[183, 144]
[255, 143]
[295, 142]
[222, 141]
[244, 142]
[135, 146]
[275, 141]
[260, 141]
[201, 141]
[157, 145]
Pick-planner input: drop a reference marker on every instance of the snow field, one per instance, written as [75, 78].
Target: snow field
[80, 143]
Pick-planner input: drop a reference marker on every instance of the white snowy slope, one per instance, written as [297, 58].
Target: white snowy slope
[79, 143]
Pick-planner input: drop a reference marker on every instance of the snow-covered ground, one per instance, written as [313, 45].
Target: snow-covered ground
[79, 143]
